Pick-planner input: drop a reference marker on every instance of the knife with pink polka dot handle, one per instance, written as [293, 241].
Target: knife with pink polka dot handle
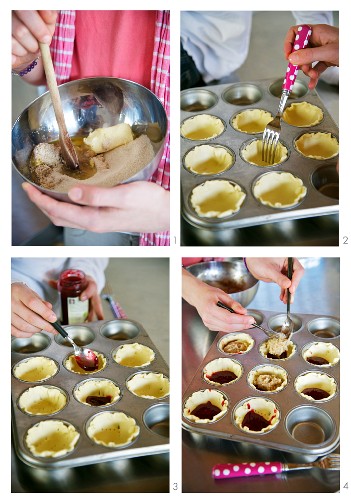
[224, 471]
[301, 40]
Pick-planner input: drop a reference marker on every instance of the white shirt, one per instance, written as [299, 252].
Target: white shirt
[219, 42]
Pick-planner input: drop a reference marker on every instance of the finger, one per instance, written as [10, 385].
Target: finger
[228, 301]
[18, 333]
[97, 197]
[289, 40]
[89, 292]
[298, 272]
[53, 208]
[96, 306]
[238, 308]
[69, 215]
[236, 324]
[37, 307]
[33, 25]
[49, 17]
[26, 42]
[280, 279]
[21, 324]
[228, 319]
[312, 54]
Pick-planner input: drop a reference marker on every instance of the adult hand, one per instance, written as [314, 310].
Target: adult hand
[274, 270]
[323, 46]
[90, 293]
[205, 297]
[29, 27]
[29, 312]
[136, 207]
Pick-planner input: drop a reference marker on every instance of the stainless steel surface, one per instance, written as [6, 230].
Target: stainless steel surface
[331, 462]
[228, 274]
[314, 231]
[86, 357]
[86, 452]
[88, 104]
[318, 293]
[252, 212]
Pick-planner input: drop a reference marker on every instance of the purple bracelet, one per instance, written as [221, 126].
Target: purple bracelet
[28, 69]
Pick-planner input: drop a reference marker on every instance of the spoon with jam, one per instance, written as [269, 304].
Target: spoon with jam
[85, 358]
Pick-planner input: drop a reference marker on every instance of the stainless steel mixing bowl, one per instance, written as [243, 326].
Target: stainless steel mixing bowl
[235, 272]
[88, 104]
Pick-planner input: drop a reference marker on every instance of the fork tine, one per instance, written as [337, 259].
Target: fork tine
[273, 147]
[265, 144]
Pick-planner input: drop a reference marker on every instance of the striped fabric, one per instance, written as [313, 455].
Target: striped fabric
[62, 46]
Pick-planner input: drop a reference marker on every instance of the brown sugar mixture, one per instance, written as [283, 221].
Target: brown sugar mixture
[47, 168]
[227, 285]
[277, 348]
[235, 347]
[267, 382]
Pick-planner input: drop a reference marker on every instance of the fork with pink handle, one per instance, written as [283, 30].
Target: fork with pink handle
[225, 471]
[272, 131]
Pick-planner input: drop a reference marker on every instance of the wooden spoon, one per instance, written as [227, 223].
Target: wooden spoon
[67, 149]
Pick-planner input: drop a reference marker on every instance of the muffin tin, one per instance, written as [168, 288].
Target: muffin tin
[308, 428]
[224, 102]
[151, 415]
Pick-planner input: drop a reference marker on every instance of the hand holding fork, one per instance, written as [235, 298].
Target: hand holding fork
[272, 131]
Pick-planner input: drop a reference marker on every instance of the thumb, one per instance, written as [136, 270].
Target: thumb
[94, 196]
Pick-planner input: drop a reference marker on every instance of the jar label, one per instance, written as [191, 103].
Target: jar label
[77, 310]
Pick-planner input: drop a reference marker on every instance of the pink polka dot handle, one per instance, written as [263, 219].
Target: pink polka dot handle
[224, 471]
[301, 40]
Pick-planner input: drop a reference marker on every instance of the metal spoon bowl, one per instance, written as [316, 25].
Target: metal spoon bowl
[85, 358]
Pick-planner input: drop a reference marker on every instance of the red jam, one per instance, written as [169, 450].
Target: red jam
[206, 411]
[254, 421]
[316, 393]
[98, 400]
[88, 363]
[283, 355]
[222, 377]
[317, 360]
[71, 283]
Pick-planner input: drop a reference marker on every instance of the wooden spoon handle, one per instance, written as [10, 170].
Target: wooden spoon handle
[67, 149]
[52, 84]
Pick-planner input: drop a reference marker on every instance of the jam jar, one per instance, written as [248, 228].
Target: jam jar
[71, 283]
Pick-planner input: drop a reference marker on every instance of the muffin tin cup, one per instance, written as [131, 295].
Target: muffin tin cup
[214, 145]
[86, 452]
[299, 417]
[258, 94]
[31, 345]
